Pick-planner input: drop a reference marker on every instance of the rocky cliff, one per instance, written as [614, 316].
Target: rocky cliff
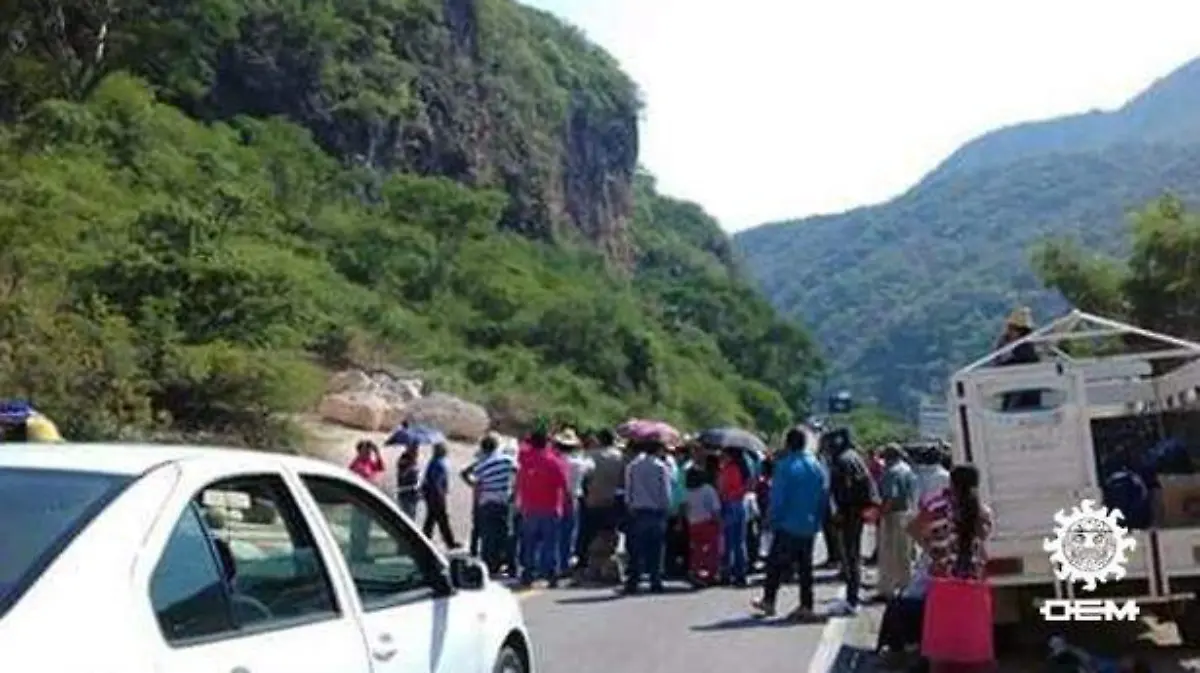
[488, 93]
[473, 90]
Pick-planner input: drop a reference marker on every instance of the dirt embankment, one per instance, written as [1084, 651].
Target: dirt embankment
[335, 443]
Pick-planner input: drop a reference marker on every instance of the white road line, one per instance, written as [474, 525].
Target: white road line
[831, 643]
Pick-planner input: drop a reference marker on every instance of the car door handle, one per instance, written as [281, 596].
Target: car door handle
[384, 651]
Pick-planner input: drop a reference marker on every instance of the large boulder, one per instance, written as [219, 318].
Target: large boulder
[391, 386]
[363, 411]
[456, 417]
[350, 381]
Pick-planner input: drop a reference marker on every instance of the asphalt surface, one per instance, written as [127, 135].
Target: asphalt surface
[588, 630]
[598, 631]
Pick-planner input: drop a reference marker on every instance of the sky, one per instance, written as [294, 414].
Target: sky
[764, 110]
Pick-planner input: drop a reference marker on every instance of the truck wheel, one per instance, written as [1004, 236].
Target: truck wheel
[509, 661]
[1007, 636]
[1188, 623]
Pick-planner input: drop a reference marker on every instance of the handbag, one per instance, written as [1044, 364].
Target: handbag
[957, 624]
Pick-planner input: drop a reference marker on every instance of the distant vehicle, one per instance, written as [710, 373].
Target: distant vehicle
[132, 559]
[933, 420]
[1049, 434]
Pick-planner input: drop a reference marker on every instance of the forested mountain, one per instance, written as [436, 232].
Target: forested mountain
[207, 203]
[902, 293]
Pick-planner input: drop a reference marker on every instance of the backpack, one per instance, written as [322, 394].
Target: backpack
[851, 484]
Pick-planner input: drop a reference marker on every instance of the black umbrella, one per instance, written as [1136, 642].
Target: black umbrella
[733, 438]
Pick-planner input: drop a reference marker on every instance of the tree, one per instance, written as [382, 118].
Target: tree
[1156, 287]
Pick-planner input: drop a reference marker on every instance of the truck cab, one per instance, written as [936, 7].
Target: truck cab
[1104, 401]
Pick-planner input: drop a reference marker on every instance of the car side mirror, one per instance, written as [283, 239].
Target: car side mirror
[467, 573]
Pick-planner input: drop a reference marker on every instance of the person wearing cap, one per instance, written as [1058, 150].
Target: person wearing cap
[1018, 326]
[20, 422]
[569, 448]
[898, 502]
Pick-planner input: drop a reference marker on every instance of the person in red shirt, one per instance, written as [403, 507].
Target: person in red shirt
[733, 483]
[367, 462]
[542, 490]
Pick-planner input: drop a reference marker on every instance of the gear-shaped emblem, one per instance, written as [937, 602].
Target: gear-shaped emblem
[1089, 545]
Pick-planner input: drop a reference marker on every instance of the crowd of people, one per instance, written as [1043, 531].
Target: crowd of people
[557, 507]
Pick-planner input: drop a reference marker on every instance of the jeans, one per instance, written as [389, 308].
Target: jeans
[790, 552]
[568, 531]
[733, 514]
[849, 533]
[491, 520]
[646, 542]
[539, 546]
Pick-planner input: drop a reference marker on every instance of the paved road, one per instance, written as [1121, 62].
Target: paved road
[598, 631]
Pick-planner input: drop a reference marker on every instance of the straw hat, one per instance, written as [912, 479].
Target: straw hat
[567, 438]
[1021, 317]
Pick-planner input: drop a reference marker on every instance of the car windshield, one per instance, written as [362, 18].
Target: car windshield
[40, 512]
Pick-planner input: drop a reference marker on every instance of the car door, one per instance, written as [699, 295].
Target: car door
[415, 622]
[235, 582]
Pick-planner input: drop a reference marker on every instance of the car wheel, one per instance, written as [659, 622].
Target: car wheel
[509, 661]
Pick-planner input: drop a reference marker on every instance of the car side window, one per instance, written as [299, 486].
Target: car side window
[388, 561]
[187, 590]
[260, 561]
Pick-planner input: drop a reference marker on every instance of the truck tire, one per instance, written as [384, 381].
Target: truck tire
[1188, 623]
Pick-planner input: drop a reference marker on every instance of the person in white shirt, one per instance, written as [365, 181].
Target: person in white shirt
[933, 476]
[579, 465]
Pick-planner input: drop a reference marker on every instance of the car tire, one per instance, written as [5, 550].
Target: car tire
[509, 661]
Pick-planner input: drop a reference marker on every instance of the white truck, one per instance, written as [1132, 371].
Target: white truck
[1038, 459]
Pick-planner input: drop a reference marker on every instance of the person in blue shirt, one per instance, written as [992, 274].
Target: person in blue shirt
[799, 496]
[435, 487]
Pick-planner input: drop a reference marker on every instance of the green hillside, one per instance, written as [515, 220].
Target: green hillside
[238, 196]
[901, 294]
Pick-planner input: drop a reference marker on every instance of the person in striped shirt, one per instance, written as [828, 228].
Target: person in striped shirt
[492, 477]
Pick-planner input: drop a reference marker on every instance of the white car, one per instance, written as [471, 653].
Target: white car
[131, 559]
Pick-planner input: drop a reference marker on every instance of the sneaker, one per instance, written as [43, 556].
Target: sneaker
[763, 608]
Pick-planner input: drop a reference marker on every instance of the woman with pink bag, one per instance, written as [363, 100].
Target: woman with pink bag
[952, 527]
